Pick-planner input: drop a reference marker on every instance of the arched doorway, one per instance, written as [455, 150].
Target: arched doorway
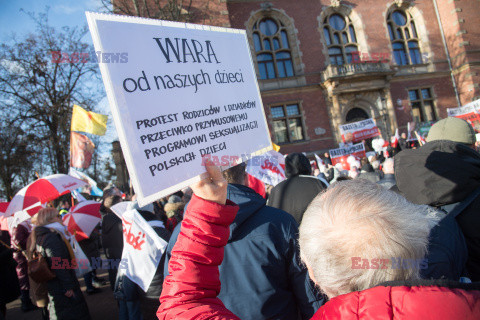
[356, 114]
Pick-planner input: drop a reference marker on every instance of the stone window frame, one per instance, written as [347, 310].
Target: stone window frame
[355, 20]
[285, 118]
[421, 100]
[273, 45]
[346, 31]
[404, 35]
[410, 9]
[288, 24]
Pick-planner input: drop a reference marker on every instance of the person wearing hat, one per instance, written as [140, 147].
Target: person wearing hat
[443, 172]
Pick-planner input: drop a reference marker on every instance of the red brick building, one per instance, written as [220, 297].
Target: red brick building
[323, 63]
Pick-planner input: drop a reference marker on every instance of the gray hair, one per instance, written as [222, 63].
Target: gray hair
[358, 219]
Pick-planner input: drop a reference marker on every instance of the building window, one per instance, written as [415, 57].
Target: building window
[274, 57]
[340, 38]
[287, 123]
[404, 38]
[423, 108]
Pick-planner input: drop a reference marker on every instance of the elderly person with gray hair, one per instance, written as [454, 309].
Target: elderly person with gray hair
[363, 246]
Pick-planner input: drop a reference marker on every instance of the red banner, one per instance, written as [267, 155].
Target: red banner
[341, 155]
[358, 131]
[81, 150]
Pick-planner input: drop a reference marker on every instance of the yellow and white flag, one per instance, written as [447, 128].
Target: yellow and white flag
[88, 121]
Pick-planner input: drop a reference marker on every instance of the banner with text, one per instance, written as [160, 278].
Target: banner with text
[178, 92]
[268, 167]
[341, 155]
[142, 249]
[358, 131]
[469, 112]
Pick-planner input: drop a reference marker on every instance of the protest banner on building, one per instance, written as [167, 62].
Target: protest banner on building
[469, 112]
[185, 91]
[358, 131]
[341, 155]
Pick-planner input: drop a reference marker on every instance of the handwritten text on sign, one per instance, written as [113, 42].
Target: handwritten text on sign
[187, 91]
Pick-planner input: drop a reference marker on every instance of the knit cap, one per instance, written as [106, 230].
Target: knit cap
[453, 129]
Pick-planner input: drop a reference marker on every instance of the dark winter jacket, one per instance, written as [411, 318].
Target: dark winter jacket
[295, 194]
[442, 173]
[155, 288]
[261, 273]
[9, 288]
[51, 245]
[19, 241]
[112, 236]
[387, 181]
[91, 245]
[368, 173]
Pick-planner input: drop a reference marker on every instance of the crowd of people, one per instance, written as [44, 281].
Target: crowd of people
[395, 236]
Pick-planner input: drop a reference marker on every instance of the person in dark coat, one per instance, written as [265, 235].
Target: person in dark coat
[112, 234]
[19, 242]
[66, 300]
[150, 299]
[327, 161]
[443, 172]
[9, 286]
[261, 274]
[294, 194]
[91, 248]
[402, 142]
[367, 172]
[388, 179]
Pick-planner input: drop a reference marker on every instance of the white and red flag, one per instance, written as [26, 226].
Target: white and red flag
[267, 167]
[394, 140]
[142, 249]
[358, 131]
[319, 161]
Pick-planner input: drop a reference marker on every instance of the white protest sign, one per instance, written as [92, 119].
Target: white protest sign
[469, 112]
[178, 92]
[358, 131]
[340, 155]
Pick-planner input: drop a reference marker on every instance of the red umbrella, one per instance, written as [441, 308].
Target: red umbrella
[82, 219]
[3, 207]
[3, 219]
[42, 191]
